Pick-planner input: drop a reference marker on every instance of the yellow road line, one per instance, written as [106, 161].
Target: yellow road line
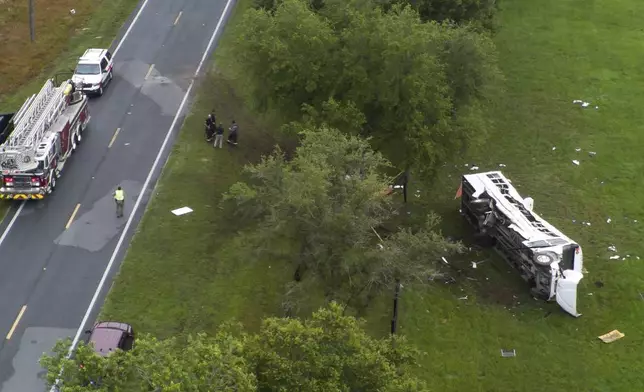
[114, 137]
[71, 218]
[15, 323]
[178, 16]
[147, 75]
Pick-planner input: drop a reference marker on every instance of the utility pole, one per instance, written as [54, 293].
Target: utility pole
[31, 21]
[394, 318]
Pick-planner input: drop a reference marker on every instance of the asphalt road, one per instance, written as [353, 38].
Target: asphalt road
[52, 265]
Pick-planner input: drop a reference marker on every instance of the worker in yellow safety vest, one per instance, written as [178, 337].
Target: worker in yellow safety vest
[119, 197]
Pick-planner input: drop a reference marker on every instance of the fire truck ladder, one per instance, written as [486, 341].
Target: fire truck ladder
[34, 119]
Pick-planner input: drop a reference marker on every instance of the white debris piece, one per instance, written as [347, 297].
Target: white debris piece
[577, 101]
[612, 248]
[444, 260]
[592, 153]
[182, 211]
[614, 257]
[587, 223]
[577, 149]
[501, 165]
[474, 168]
[576, 162]
[608, 220]
[554, 148]
[72, 11]
[463, 298]
[596, 107]
[585, 104]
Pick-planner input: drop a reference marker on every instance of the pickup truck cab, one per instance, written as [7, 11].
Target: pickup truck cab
[94, 71]
[108, 336]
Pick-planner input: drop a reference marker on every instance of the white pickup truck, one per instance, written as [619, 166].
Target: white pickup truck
[551, 262]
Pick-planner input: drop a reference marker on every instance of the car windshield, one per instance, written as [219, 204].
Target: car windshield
[88, 69]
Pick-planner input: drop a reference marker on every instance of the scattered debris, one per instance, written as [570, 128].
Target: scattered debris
[182, 211]
[577, 149]
[612, 248]
[444, 260]
[576, 162]
[72, 11]
[611, 336]
[614, 257]
[501, 165]
[589, 294]
[554, 148]
[463, 298]
[126, 144]
[467, 164]
[584, 104]
[508, 353]
[592, 153]
[474, 168]
[608, 220]
[476, 263]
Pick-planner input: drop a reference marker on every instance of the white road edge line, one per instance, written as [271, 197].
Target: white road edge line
[127, 32]
[99, 288]
[11, 222]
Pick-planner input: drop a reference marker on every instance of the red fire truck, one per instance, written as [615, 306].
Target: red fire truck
[39, 139]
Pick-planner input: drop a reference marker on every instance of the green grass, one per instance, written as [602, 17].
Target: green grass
[196, 271]
[190, 273]
[60, 39]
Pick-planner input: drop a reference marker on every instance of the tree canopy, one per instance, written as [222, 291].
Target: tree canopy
[328, 352]
[414, 86]
[327, 203]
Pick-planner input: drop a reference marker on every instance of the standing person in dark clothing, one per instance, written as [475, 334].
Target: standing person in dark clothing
[219, 136]
[232, 136]
[210, 127]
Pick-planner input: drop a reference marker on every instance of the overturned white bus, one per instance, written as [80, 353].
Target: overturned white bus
[551, 262]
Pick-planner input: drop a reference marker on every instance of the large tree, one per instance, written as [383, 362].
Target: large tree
[479, 12]
[326, 204]
[413, 84]
[329, 352]
[199, 364]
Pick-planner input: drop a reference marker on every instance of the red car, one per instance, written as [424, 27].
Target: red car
[107, 336]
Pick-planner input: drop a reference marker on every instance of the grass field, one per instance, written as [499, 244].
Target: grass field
[60, 38]
[190, 273]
